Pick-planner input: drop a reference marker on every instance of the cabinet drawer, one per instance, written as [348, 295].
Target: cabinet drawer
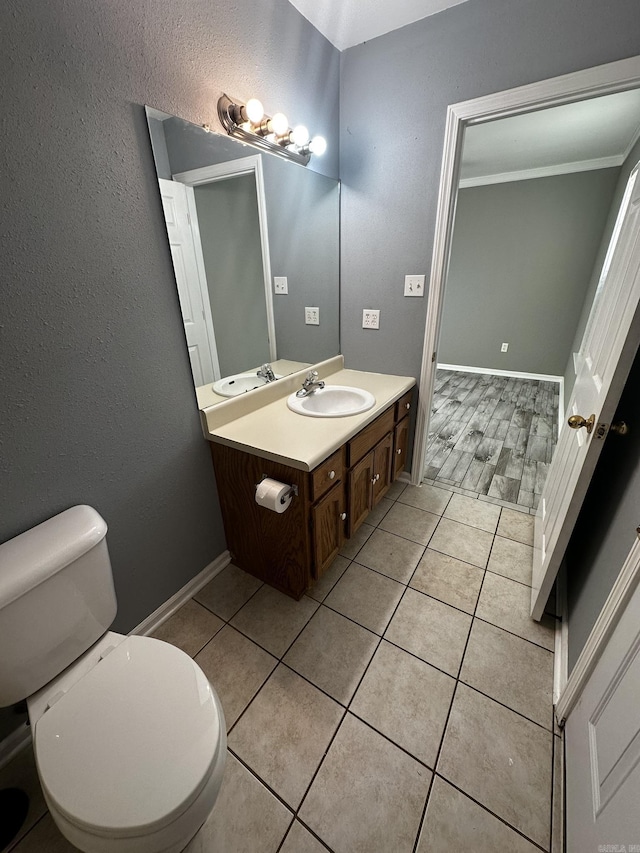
[327, 474]
[404, 405]
[362, 443]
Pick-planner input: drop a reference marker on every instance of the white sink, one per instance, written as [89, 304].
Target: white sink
[332, 401]
[231, 386]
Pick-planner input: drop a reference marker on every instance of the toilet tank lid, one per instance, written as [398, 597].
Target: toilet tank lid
[38, 553]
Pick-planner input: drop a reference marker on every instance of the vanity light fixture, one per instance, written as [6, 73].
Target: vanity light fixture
[249, 123]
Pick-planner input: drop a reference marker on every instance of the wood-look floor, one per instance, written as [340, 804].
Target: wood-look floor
[492, 435]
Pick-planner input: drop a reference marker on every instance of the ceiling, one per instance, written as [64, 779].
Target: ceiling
[349, 22]
[593, 134]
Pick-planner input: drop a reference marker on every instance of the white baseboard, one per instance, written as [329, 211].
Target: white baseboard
[21, 737]
[561, 648]
[493, 371]
[155, 619]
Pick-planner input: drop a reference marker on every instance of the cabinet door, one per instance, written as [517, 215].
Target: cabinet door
[359, 493]
[382, 461]
[400, 445]
[328, 519]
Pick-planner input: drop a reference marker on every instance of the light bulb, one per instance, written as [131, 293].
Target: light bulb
[318, 145]
[300, 135]
[254, 111]
[279, 124]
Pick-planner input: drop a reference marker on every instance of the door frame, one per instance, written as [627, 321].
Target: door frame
[225, 171]
[589, 83]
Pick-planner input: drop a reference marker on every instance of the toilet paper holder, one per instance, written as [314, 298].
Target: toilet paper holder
[291, 493]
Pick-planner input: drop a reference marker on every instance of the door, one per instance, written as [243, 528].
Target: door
[359, 491]
[382, 463]
[608, 348]
[328, 517]
[602, 738]
[200, 341]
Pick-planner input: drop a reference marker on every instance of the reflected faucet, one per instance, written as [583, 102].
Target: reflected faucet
[310, 384]
[266, 373]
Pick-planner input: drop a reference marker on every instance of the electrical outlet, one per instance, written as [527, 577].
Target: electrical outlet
[371, 318]
[414, 285]
[504, 347]
[280, 284]
[312, 316]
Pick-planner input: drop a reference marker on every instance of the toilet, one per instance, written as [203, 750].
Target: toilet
[129, 735]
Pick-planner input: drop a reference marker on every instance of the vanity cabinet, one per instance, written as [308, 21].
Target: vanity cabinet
[291, 550]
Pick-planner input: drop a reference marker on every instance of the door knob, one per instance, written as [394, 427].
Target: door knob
[577, 422]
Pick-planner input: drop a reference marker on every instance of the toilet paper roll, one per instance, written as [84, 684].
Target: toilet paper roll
[274, 495]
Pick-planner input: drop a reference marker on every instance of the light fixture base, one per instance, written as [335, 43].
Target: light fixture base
[226, 110]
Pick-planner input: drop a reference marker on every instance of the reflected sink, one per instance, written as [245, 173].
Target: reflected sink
[231, 386]
[332, 401]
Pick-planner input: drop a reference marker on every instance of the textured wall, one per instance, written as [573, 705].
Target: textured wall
[394, 94]
[96, 399]
[521, 260]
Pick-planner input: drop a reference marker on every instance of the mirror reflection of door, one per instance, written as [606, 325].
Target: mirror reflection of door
[229, 230]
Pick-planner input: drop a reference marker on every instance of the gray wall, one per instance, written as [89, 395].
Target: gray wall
[96, 399]
[623, 177]
[394, 94]
[232, 251]
[303, 215]
[521, 259]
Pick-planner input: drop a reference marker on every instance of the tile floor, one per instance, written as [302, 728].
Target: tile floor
[402, 706]
[492, 435]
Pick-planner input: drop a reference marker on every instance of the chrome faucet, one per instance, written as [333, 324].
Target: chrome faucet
[310, 384]
[266, 373]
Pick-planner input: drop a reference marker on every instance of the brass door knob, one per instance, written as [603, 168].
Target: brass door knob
[577, 422]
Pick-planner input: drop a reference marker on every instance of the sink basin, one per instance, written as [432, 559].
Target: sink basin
[231, 386]
[332, 401]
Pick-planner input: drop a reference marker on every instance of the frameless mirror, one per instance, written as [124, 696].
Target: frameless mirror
[254, 243]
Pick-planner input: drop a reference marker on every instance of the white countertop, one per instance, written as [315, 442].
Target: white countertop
[271, 430]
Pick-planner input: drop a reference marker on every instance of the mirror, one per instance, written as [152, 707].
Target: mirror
[254, 242]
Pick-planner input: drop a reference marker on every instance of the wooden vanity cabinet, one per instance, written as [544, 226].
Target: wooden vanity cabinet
[291, 550]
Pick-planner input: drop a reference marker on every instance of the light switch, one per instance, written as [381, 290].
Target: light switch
[414, 285]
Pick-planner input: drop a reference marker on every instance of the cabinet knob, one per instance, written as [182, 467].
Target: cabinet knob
[332, 474]
[399, 451]
[407, 405]
[373, 479]
[343, 516]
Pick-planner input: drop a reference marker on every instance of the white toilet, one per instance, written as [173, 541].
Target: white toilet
[128, 734]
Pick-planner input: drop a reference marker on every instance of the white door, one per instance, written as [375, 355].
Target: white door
[602, 739]
[608, 348]
[200, 340]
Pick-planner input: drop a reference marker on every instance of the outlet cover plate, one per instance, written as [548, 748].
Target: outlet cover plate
[312, 316]
[414, 285]
[370, 318]
[280, 284]
[504, 348]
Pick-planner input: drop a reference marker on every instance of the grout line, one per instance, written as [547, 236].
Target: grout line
[494, 814]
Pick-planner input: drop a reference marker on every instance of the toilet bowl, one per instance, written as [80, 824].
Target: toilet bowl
[129, 735]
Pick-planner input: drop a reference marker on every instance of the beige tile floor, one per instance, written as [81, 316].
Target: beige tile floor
[404, 704]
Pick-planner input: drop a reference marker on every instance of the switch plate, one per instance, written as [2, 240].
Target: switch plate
[280, 284]
[370, 318]
[414, 285]
[504, 347]
[312, 316]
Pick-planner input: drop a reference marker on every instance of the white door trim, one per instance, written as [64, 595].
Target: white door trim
[202, 277]
[609, 616]
[602, 80]
[233, 169]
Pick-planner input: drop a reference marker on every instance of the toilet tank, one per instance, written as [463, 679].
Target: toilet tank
[56, 599]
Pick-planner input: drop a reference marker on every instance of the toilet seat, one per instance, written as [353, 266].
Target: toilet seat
[132, 744]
